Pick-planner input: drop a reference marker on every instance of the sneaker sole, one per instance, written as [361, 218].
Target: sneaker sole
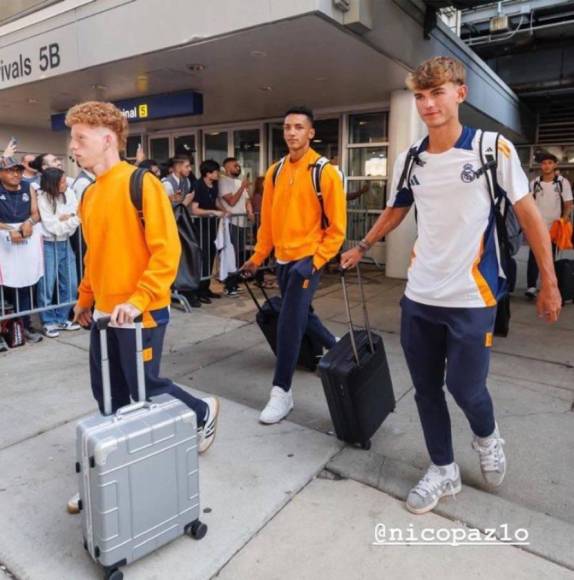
[275, 422]
[420, 511]
[212, 440]
[73, 510]
[492, 486]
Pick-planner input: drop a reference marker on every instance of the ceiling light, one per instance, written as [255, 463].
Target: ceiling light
[266, 89]
[321, 79]
[99, 87]
[196, 67]
[32, 101]
[317, 140]
[258, 54]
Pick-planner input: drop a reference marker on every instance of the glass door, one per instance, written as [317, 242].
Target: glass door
[159, 149]
[247, 150]
[215, 145]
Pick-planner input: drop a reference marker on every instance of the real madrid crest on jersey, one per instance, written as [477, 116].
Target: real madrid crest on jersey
[468, 174]
[25, 197]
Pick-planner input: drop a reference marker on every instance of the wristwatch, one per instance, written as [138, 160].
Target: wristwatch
[364, 245]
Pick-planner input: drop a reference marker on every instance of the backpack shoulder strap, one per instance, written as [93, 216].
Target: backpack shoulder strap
[488, 148]
[537, 187]
[316, 173]
[136, 192]
[558, 184]
[411, 159]
[277, 169]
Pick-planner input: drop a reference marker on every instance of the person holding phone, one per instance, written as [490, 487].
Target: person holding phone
[235, 199]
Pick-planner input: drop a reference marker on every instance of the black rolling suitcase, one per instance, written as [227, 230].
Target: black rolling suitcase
[267, 317]
[357, 381]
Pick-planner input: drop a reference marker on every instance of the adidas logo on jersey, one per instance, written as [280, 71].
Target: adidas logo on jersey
[414, 180]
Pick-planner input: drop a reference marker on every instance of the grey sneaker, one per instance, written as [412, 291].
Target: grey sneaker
[492, 458]
[32, 336]
[435, 483]
[3, 344]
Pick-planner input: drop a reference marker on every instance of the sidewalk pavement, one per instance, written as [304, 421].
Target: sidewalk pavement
[268, 513]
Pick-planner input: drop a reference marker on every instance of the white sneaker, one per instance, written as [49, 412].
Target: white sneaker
[69, 326]
[279, 406]
[51, 330]
[436, 482]
[492, 458]
[530, 293]
[74, 504]
[207, 432]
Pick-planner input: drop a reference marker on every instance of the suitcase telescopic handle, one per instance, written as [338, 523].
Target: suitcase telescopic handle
[102, 325]
[349, 317]
[246, 279]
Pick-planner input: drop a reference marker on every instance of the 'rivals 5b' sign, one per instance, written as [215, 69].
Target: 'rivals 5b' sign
[37, 58]
[48, 57]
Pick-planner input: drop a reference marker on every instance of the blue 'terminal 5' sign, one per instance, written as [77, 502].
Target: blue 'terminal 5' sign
[149, 108]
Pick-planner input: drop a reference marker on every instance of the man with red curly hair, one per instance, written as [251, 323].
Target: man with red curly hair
[129, 269]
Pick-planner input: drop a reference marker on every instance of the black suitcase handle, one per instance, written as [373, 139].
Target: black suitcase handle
[246, 279]
[343, 271]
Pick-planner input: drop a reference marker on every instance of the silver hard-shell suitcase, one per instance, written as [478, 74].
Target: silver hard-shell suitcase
[138, 473]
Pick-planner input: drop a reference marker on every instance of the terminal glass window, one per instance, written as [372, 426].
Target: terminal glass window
[326, 141]
[132, 147]
[367, 160]
[184, 146]
[278, 146]
[246, 148]
[215, 145]
[159, 149]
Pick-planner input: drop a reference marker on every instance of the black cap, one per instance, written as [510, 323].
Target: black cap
[547, 155]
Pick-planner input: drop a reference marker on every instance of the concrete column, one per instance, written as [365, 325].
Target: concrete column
[405, 127]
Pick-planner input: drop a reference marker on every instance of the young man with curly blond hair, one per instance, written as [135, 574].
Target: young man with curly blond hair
[449, 306]
[129, 266]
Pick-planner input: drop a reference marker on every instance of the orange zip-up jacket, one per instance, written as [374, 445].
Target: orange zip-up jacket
[124, 262]
[291, 214]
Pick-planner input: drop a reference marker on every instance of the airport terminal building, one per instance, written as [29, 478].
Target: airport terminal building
[212, 78]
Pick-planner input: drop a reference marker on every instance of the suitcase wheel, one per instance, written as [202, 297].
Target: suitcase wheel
[196, 530]
[113, 574]
[366, 445]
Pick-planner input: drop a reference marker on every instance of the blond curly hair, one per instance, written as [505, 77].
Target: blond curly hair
[100, 114]
[435, 72]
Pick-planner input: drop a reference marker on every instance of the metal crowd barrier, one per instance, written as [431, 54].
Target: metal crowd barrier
[55, 290]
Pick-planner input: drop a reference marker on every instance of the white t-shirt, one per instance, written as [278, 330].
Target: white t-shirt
[547, 197]
[454, 261]
[229, 185]
[53, 229]
[21, 265]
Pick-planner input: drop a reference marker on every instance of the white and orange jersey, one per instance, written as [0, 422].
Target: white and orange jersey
[455, 261]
